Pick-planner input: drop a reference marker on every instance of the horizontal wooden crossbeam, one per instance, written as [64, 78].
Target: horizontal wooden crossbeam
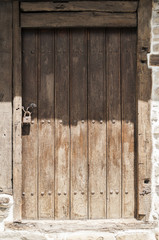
[102, 6]
[78, 19]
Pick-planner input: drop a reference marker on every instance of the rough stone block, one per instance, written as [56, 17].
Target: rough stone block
[21, 236]
[91, 236]
[4, 207]
[156, 48]
[155, 31]
[81, 236]
[136, 236]
[156, 77]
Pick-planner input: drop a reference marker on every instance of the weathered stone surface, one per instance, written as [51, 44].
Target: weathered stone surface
[156, 31]
[81, 236]
[21, 236]
[4, 207]
[136, 236]
[91, 236]
[156, 47]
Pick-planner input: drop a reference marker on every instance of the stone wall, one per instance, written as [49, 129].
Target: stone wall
[45, 230]
[155, 113]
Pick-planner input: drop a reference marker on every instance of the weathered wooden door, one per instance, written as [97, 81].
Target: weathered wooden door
[79, 151]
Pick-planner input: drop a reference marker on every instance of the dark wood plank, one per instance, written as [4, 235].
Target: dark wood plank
[79, 19]
[144, 96]
[97, 124]
[128, 76]
[46, 123]
[62, 130]
[6, 97]
[30, 133]
[113, 124]
[106, 6]
[154, 60]
[78, 121]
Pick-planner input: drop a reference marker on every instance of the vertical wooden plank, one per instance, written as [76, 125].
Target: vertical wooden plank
[30, 141]
[62, 131]
[78, 119]
[144, 98]
[17, 115]
[46, 123]
[6, 97]
[97, 123]
[113, 124]
[128, 75]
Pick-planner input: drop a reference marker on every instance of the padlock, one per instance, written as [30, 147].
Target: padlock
[27, 117]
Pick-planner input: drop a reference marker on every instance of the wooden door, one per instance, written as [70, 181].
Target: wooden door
[79, 150]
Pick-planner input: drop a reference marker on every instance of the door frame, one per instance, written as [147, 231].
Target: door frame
[143, 78]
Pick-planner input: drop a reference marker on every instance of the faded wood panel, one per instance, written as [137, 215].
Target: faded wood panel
[30, 141]
[128, 75]
[46, 123]
[78, 19]
[113, 124]
[106, 6]
[144, 97]
[78, 121]
[17, 116]
[97, 124]
[6, 97]
[62, 130]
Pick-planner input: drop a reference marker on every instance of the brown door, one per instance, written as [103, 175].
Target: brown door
[79, 150]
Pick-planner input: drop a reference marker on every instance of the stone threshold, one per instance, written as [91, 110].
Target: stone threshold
[61, 226]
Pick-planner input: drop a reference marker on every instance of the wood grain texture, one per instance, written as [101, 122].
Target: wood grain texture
[17, 116]
[154, 60]
[128, 76]
[113, 124]
[97, 124]
[107, 6]
[46, 124]
[62, 127]
[143, 105]
[78, 19]
[6, 97]
[78, 112]
[30, 132]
